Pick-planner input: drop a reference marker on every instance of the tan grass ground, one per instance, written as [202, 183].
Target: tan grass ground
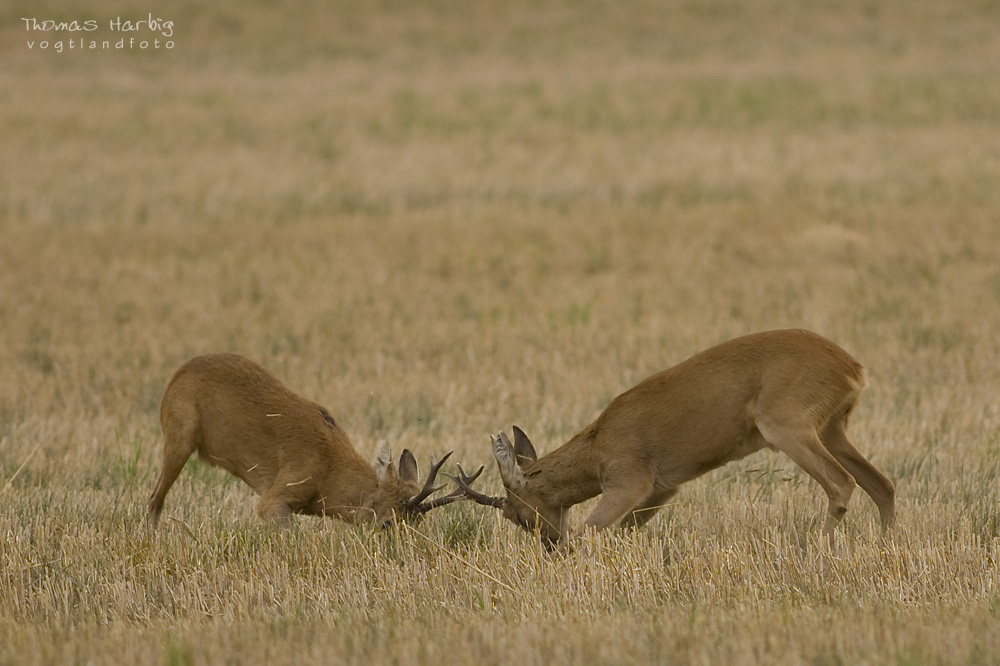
[442, 218]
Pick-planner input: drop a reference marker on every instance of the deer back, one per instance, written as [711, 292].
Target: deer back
[702, 413]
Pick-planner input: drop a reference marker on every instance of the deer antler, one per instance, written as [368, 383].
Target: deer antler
[453, 496]
[412, 505]
[466, 491]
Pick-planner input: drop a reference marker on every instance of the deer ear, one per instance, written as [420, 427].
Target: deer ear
[407, 466]
[510, 471]
[383, 461]
[523, 448]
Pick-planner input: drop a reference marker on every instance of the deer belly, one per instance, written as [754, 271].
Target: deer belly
[256, 475]
[713, 457]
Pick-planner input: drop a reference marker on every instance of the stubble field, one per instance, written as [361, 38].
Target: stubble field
[440, 219]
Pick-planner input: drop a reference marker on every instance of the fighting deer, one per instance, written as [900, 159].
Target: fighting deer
[788, 390]
[238, 416]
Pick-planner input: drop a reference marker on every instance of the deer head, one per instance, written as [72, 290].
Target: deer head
[399, 492]
[527, 504]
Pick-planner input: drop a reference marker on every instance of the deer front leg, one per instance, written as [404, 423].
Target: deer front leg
[622, 492]
[290, 492]
[647, 509]
[274, 510]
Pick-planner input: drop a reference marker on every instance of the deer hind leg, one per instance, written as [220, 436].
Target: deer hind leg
[802, 444]
[872, 481]
[647, 509]
[180, 440]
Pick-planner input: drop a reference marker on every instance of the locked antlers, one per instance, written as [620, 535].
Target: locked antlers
[466, 491]
[416, 505]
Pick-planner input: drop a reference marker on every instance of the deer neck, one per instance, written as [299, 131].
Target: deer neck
[567, 476]
[349, 490]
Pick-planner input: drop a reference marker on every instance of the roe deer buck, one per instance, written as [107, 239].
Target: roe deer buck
[240, 417]
[789, 390]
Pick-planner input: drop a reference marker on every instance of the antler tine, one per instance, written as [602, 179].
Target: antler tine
[429, 487]
[466, 490]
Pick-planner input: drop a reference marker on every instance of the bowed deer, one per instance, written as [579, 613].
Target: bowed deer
[238, 416]
[788, 390]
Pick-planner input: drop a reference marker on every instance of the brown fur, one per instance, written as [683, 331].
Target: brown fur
[238, 416]
[788, 390]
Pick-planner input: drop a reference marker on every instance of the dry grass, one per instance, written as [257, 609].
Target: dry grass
[442, 218]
